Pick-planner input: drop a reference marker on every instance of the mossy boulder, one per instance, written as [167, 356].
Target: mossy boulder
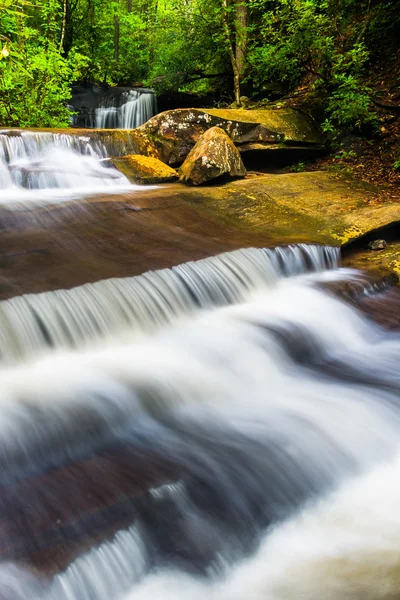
[175, 132]
[213, 156]
[144, 169]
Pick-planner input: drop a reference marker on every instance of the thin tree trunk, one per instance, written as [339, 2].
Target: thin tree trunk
[241, 37]
[236, 77]
[64, 22]
[129, 5]
[116, 31]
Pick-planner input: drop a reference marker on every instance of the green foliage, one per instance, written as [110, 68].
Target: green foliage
[34, 78]
[45, 45]
[298, 167]
[35, 87]
[318, 40]
[348, 105]
[346, 155]
[187, 46]
[396, 164]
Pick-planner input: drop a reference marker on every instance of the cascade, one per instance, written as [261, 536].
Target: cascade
[48, 161]
[136, 107]
[71, 318]
[114, 108]
[238, 421]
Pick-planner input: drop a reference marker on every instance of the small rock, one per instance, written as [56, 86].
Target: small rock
[214, 155]
[377, 245]
[144, 169]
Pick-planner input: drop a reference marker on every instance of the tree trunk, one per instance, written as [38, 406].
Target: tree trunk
[236, 76]
[129, 5]
[63, 26]
[116, 31]
[241, 37]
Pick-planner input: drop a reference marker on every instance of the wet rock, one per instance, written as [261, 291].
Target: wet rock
[144, 169]
[214, 155]
[377, 245]
[175, 132]
[382, 264]
[128, 233]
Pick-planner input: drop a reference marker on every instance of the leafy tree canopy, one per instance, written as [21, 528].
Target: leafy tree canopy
[261, 48]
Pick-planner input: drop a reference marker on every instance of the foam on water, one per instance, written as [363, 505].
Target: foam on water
[272, 411]
[57, 163]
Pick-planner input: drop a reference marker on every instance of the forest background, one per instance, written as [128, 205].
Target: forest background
[240, 51]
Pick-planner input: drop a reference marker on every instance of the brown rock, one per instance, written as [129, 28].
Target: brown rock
[213, 156]
[144, 169]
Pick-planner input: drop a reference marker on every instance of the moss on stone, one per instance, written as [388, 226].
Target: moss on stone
[378, 263]
[144, 169]
[315, 207]
[291, 125]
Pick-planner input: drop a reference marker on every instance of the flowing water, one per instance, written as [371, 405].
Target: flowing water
[132, 109]
[113, 108]
[264, 410]
[53, 165]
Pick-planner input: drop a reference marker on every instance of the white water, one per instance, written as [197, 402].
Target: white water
[143, 304]
[345, 547]
[53, 163]
[137, 107]
[279, 412]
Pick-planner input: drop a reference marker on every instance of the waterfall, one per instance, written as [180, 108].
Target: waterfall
[136, 107]
[224, 429]
[48, 161]
[115, 108]
[70, 318]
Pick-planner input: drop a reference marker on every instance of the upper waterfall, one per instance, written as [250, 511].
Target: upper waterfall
[114, 108]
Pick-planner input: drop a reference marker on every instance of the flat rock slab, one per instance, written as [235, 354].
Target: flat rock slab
[71, 243]
[286, 125]
[313, 207]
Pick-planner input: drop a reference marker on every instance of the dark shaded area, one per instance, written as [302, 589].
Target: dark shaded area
[267, 161]
[170, 100]
[389, 233]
